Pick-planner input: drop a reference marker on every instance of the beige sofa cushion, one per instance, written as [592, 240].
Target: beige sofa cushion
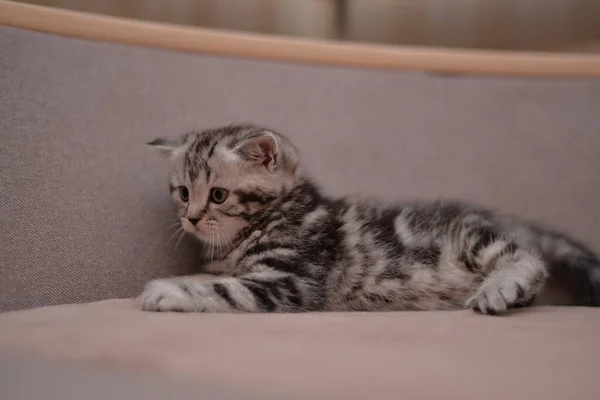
[538, 353]
[28, 377]
[84, 206]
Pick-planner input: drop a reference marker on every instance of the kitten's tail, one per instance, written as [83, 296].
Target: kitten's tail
[574, 273]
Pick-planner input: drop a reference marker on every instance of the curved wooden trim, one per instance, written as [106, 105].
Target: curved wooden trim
[345, 54]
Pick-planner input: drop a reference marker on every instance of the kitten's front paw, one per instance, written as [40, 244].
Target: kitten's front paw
[165, 295]
[496, 296]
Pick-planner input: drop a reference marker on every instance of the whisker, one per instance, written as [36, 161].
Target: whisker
[220, 251]
[222, 243]
[173, 225]
[204, 250]
[178, 240]
[228, 242]
[215, 245]
[174, 235]
[219, 233]
[211, 245]
[215, 242]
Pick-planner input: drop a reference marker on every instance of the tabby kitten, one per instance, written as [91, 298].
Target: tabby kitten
[281, 245]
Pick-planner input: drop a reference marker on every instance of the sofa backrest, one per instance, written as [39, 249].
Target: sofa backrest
[84, 205]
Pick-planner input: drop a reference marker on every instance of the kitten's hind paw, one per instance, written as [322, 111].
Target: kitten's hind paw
[496, 295]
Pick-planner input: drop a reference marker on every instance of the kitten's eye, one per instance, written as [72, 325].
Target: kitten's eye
[218, 195]
[184, 193]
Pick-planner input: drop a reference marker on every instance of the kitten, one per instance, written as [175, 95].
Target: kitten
[281, 245]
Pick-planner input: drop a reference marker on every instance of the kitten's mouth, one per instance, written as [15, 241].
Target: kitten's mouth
[212, 238]
[208, 233]
[201, 232]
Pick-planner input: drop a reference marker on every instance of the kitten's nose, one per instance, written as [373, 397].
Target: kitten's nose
[194, 221]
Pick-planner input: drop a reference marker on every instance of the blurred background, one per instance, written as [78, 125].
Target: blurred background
[538, 25]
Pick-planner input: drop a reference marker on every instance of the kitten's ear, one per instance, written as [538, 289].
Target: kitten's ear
[261, 148]
[165, 146]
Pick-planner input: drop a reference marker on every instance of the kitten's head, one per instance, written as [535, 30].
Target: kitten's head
[221, 178]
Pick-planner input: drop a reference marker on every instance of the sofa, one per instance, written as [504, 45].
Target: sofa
[86, 215]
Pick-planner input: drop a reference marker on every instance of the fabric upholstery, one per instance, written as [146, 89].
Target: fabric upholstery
[29, 376]
[540, 353]
[84, 204]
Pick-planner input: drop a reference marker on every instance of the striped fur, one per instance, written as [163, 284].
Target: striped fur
[281, 245]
